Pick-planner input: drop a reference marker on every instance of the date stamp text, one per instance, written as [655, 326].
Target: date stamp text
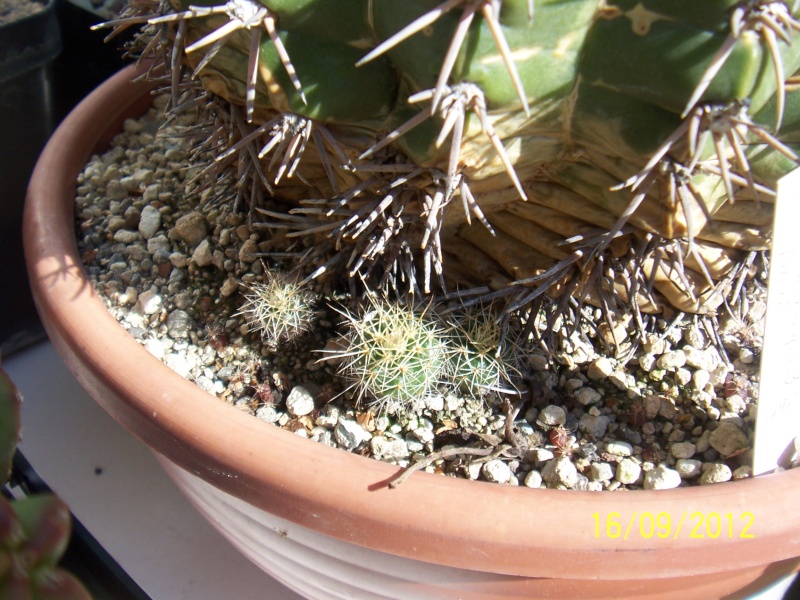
[666, 526]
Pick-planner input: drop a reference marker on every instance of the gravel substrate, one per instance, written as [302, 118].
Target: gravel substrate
[676, 413]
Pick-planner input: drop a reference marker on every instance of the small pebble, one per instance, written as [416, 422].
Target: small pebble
[728, 439]
[661, 478]
[552, 416]
[600, 368]
[300, 401]
[587, 396]
[350, 435]
[533, 479]
[683, 449]
[688, 468]
[619, 448]
[628, 471]
[560, 471]
[383, 448]
[496, 471]
[715, 473]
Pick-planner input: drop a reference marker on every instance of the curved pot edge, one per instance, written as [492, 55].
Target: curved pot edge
[427, 518]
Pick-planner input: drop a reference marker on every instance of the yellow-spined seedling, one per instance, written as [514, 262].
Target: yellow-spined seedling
[280, 309]
[393, 355]
[480, 355]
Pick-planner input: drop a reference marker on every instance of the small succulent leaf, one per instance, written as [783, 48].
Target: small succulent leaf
[10, 409]
[47, 524]
[12, 534]
[57, 584]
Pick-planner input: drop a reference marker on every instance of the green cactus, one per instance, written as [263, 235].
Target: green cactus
[280, 309]
[596, 147]
[482, 357]
[34, 531]
[393, 354]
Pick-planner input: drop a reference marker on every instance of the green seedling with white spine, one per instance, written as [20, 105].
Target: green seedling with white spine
[481, 358]
[393, 355]
[280, 309]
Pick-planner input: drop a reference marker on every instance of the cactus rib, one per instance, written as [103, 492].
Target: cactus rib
[635, 124]
[242, 14]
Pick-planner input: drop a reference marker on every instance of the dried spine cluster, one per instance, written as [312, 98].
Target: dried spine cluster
[614, 153]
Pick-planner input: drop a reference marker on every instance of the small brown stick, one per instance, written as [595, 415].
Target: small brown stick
[433, 457]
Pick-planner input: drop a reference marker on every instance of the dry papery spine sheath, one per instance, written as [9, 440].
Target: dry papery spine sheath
[280, 309]
[393, 355]
[658, 157]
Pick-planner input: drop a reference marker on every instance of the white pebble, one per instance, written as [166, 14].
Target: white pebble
[683, 450]
[700, 379]
[533, 479]
[619, 448]
[149, 222]
[179, 363]
[396, 449]
[661, 478]
[628, 471]
[150, 302]
[728, 439]
[300, 401]
[434, 402]
[715, 473]
[688, 468]
[601, 471]
[671, 360]
[155, 347]
[736, 403]
[350, 435]
[496, 471]
[560, 471]
[600, 369]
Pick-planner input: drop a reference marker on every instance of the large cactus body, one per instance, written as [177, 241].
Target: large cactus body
[644, 118]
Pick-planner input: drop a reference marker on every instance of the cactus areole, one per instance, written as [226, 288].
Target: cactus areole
[622, 153]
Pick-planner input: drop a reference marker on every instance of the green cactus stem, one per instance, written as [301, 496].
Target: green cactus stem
[393, 355]
[621, 153]
[280, 309]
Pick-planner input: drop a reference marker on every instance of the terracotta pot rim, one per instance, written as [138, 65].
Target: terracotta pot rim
[473, 525]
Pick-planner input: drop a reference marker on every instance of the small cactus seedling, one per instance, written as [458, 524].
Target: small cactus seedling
[480, 355]
[393, 354]
[34, 531]
[279, 309]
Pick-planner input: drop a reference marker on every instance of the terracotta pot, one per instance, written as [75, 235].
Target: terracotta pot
[323, 521]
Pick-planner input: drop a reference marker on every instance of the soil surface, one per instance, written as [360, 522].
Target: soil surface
[675, 409]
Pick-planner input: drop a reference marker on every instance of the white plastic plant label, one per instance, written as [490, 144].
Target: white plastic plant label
[778, 422]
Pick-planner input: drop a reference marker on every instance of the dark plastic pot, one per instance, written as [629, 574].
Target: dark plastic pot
[28, 47]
